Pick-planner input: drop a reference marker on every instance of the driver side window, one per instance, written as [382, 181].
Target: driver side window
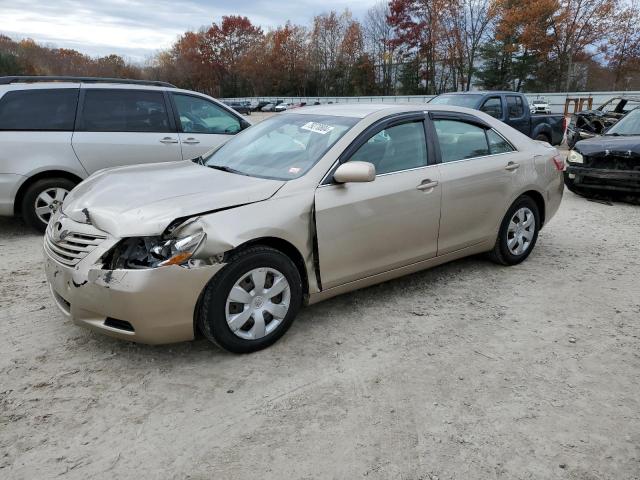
[198, 115]
[397, 148]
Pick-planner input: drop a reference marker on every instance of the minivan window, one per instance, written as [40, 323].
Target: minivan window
[397, 148]
[39, 109]
[460, 140]
[198, 115]
[120, 110]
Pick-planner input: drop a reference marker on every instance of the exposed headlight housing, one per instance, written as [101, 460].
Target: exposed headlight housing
[177, 251]
[575, 157]
[175, 247]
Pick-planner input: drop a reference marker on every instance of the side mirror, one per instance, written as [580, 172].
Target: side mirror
[355, 172]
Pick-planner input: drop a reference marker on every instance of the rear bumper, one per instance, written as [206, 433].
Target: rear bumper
[605, 179]
[9, 185]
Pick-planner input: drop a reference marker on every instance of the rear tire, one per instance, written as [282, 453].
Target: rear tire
[543, 137]
[42, 199]
[516, 240]
[220, 306]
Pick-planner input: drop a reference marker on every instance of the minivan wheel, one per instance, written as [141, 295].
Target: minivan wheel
[42, 199]
[252, 301]
[518, 232]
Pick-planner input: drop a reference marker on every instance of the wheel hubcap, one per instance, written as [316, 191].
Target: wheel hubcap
[521, 230]
[48, 202]
[258, 303]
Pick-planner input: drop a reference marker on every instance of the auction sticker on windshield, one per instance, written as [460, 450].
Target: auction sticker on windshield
[317, 127]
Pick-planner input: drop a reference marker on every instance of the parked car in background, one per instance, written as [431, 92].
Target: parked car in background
[511, 108]
[269, 107]
[607, 163]
[56, 131]
[591, 123]
[240, 107]
[259, 105]
[282, 107]
[303, 206]
[539, 105]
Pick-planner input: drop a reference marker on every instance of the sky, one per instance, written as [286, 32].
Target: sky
[136, 29]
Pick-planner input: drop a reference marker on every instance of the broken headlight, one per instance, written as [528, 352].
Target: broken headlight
[177, 251]
[175, 248]
[574, 157]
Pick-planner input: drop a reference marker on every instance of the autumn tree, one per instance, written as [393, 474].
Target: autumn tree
[622, 51]
[224, 48]
[576, 25]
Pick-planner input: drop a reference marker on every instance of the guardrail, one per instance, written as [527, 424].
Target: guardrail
[556, 100]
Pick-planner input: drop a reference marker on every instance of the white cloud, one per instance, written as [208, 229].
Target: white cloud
[138, 28]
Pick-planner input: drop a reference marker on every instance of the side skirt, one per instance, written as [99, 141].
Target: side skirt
[400, 272]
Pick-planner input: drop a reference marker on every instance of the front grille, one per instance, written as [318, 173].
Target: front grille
[73, 247]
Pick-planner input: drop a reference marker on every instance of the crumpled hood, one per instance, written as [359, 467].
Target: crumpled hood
[598, 146]
[143, 199]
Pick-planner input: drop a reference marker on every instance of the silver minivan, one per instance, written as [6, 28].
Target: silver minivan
[56, 131]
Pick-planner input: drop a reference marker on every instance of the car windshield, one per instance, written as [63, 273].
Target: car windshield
[628, 125]
[283, 147]
[466, 100]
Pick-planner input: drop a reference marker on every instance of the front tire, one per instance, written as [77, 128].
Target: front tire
[518, 232]
[252, 301]
[42, 199]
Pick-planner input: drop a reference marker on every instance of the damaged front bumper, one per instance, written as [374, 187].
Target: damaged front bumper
[604, 179]
[152, 305]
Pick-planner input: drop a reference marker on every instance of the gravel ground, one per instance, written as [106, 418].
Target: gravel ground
[466, 371]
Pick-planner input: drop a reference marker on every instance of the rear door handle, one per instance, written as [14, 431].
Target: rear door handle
[191, 141]
[169, 140]
[512, 166]
[427, 184]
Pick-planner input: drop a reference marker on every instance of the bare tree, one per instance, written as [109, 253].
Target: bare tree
[378, 36]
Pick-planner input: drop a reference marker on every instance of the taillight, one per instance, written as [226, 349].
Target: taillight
[558, 162]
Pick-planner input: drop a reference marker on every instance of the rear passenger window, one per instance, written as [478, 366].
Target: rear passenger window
[124, 111]
[493, 107]
[460, 140]
[497, 144]
[394, 149]
[49, 110]
[515, 106]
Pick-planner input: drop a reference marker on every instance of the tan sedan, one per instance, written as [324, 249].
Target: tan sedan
[296, 209]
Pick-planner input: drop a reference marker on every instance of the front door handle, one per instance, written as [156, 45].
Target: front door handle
[169, 140]
[191, 141]
[512, 166]
[427, 184]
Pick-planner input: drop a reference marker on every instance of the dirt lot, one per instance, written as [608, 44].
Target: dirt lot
[467, 371]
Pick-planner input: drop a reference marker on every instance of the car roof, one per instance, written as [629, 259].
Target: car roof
[483, 92]
[362, 110]
[358, 110]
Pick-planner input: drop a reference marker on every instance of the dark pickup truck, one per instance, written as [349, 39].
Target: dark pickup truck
[513, 109]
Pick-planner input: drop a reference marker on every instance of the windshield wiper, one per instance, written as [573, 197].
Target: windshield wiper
[224, 168]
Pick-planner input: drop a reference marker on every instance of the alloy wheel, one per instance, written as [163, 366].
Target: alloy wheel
[48, 202]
